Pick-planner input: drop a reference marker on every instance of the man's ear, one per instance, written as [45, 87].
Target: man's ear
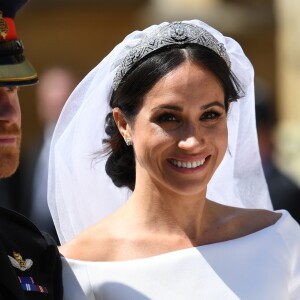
[122, 123]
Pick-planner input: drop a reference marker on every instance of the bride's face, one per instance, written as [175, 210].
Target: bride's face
[180, 133]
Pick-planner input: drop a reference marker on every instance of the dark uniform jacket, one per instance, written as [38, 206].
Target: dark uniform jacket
[30, 265]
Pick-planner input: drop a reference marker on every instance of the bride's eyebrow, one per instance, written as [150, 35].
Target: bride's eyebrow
[167, 106]
[178, 108]
[214, 103]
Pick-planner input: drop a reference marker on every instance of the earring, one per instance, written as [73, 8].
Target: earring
[128, 142]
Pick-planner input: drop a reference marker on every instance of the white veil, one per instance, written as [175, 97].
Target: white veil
[79, 191]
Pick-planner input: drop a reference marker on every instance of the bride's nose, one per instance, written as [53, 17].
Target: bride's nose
[192, 140]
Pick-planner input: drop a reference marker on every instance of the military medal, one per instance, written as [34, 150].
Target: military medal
[29, 285]
[18, 262]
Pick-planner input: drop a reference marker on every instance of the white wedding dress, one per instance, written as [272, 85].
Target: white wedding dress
[263, 266]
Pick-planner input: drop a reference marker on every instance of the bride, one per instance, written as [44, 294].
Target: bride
[174, 204]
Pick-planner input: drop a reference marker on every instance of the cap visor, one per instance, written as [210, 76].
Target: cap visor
[18, 74]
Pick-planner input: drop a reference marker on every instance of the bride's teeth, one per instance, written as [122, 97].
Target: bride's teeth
[188, 165]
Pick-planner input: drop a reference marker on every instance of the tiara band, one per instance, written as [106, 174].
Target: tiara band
[175, 33]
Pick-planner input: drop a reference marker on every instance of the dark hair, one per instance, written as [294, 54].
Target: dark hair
[120, 165]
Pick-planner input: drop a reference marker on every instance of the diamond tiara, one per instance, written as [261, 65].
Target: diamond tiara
[175, 33]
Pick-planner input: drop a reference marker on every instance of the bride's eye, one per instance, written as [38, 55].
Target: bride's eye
[210, 115]
[167, 117]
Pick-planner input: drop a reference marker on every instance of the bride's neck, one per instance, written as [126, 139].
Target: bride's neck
[162, 210]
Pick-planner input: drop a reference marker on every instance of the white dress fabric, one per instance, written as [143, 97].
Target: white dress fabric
[264, 265]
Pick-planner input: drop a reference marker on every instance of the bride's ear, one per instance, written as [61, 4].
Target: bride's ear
[122, 123]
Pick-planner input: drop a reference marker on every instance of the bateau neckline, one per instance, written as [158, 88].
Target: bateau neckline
[284, 214]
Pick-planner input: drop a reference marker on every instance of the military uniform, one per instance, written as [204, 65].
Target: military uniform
[30, 262]
[30, 265]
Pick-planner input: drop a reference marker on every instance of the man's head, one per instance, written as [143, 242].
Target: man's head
[10, 130]
[15, 71]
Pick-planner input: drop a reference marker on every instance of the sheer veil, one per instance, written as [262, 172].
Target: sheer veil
[79, 191]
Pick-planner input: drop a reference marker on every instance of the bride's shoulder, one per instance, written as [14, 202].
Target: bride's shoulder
[262, 217]
[90, 245]
[239, 222]
[252, 220]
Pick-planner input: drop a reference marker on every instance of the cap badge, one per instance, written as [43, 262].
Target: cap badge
[3, 26]
[18, 262]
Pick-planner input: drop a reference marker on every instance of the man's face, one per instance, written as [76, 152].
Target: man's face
[10, 130]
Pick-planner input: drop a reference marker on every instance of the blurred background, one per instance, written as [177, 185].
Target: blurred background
[77, 34]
